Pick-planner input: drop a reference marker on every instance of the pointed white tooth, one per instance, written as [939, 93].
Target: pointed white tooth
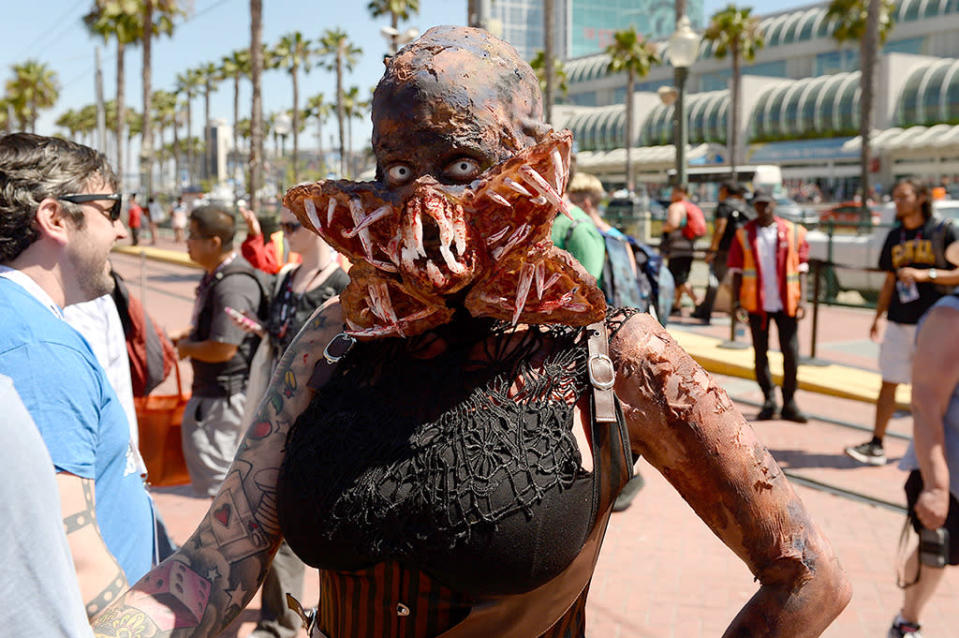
[392, 249]
[434, 273]
[540, 275]
[539, 183]
[385, 266]
[372, 218]
[329, 210]
[539, 201]
[374, 301]
[518, 235]
[499, 199]
[311, 212]
[498, 235]
[552, 280]
[418, 235]
[522, 290]
[358, 214]
[459, 239]
[451, 263]
[386, 303]
[558, 169]
[516, 186]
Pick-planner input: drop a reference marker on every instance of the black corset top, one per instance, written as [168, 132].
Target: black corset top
[436, 463]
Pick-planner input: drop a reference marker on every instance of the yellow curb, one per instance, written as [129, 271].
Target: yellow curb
[833, 379]
[176, 257]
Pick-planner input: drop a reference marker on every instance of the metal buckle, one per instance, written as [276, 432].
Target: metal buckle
[598, 383]
[332, 358]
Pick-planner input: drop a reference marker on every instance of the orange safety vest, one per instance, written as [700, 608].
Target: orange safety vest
[751, 288]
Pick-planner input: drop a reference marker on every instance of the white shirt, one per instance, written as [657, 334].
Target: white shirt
[767, 244]
[31, 287]
[99, 323]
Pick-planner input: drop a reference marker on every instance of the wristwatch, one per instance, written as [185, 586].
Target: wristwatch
[932, 274]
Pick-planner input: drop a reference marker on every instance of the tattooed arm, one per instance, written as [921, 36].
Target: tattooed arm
[201, 588]
[100, 577]
[686, 426]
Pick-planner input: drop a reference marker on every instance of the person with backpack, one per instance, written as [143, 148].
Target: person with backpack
[685, 223]
[729, 216]
[769, 261]
[219, 350]
[633, 275]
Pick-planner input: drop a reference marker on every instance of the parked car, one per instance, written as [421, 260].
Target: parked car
[794, 212]
[857, 255]
[849, 214]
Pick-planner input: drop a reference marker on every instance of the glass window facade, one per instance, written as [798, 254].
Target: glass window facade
[593, 22]
[931, 95]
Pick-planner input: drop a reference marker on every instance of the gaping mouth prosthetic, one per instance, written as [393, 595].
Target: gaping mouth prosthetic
[493, 236]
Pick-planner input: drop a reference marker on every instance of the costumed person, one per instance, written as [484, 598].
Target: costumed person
[300, 289]
[425, 436]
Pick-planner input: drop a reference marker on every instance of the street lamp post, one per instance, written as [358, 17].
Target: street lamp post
[282, 125]
[683, 49]
[396, 38]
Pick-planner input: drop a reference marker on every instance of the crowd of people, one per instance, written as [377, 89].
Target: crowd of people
[446, 455]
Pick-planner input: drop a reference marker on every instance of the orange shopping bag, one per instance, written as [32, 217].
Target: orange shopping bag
[159, 418]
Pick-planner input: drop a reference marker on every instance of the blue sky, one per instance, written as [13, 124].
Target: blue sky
[51, 31]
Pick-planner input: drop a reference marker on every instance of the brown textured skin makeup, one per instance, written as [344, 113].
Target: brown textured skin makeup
[459, 91]
[686, 426]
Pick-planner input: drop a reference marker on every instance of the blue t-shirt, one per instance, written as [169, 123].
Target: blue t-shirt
[80, 419]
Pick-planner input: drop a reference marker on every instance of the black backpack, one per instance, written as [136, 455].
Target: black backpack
[633, 274]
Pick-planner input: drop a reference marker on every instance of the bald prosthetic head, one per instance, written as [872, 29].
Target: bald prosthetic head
[456, 91]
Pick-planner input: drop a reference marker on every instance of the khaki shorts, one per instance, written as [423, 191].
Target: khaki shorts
[896, 352]
[212, 431]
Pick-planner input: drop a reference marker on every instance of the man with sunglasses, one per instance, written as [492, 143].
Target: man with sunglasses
[59, 218]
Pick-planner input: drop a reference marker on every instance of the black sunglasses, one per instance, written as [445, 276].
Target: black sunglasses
[290, 227]
[82, 198]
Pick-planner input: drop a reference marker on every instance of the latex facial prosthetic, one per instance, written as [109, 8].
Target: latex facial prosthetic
[412, 254]
[469, 181]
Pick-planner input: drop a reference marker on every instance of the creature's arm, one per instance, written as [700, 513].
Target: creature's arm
[201, 588]
[686, 426]
[100, 577]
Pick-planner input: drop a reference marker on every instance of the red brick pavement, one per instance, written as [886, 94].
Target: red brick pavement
[662, 573]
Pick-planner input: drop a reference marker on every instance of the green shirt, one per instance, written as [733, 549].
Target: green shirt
[586, 243]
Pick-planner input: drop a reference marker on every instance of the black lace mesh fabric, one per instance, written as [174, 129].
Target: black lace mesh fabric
[408, 458]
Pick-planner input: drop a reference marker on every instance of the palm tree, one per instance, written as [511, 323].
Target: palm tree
[339, 53]
[734, 31]
[256, 126]
[869, 23]
[157, 18]
[397, 10]
[318, 107]
[236, 66]
[210, 77]
[109, 19]
[635, 55]
[68, 121]
[188, 84]
[33, 87]
[164, 112]
[560, 78]
[87, 122]
[294, 52]
[5, 116]
[353, 108]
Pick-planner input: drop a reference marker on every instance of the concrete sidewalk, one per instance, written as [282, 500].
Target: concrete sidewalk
[704, 344]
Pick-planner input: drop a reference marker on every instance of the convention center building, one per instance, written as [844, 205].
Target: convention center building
[800, 104]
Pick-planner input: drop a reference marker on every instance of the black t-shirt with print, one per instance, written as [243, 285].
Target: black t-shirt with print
[914, 248]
